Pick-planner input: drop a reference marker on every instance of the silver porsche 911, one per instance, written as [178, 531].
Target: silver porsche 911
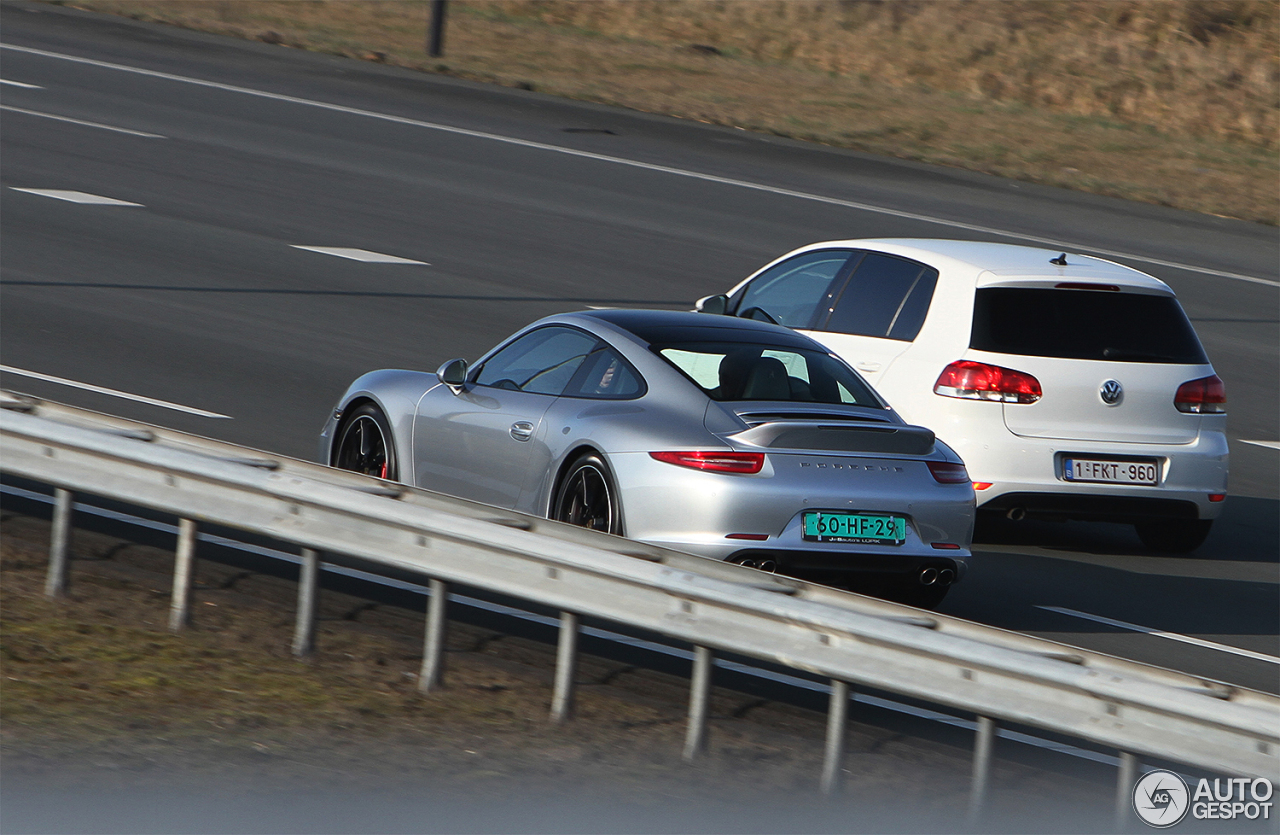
[723, 437]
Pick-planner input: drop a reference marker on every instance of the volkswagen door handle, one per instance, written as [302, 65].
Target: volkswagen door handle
[870, 367]
[522, 430]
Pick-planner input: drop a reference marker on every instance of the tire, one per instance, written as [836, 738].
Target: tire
[1173, 536]
[365, 444]
[587, 497]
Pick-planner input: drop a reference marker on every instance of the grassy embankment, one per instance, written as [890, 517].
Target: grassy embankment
[97, 692]
[1175, 103]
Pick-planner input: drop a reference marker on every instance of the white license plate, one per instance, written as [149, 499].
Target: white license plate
[1104, 471]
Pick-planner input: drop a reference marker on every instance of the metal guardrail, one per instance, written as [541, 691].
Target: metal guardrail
[998, 676]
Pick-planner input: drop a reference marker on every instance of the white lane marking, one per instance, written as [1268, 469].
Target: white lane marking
[81, 122]
[359, 255]
[20, 84]
[1267, 444]
[640, 643]
[648, 166]
[76, 196]
[138, 398]
[1159, 633]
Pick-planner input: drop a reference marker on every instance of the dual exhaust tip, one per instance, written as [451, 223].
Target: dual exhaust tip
[930, 576]
[768, 565]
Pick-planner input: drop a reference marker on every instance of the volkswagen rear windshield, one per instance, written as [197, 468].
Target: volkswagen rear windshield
[745, 371]
[1084, 325]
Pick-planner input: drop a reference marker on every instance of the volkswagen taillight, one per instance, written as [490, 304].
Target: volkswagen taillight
[979, 381]
[1206, 396]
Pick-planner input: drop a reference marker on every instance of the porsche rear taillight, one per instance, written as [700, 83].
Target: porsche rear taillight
[944, 472]
[971, 380]
[717, 462]
[1206, 396]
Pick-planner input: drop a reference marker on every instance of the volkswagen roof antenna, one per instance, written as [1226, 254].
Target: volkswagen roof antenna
[1060, 261]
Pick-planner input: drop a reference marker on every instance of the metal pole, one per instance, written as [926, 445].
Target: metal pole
[431, 676]
[55, 584]
[695, 741]
[180, 604]
[986, 734]
[837, 721]
[304, 631]
[1125, 779]
[435, 35]
[566, 667]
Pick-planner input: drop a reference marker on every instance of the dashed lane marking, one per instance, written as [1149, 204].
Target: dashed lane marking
[1267, 444]
[98, 125]
[76, 197]
[137, 398]
[649, 166]
[360, 255]
[1160, 633]
[24, 85]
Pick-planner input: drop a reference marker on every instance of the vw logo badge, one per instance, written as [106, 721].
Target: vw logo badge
[1111, 392]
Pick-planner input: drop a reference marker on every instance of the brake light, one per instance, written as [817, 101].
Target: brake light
[944, 472]
[979, 381]
[1206, 396]
[716, 462]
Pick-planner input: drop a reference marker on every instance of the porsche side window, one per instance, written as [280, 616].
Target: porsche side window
[540, 362]
[792, 292]
[742, 371]
[886, 297]
[605, 375]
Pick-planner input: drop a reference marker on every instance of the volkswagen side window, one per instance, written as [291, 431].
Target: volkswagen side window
[886, 296]
[792, 293]
[540, 362]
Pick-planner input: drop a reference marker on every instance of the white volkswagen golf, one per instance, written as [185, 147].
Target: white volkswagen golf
[1073, 387]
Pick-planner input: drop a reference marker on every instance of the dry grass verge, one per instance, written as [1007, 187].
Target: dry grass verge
[1175, 103]
[98, 692]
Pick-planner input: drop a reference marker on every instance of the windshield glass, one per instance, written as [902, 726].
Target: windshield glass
[738, 371]
[1084, 324]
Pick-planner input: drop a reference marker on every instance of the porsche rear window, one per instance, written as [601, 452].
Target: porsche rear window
[743, 371]
[1084, 324]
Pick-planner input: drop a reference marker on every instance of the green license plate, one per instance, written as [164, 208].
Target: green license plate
[862, 528]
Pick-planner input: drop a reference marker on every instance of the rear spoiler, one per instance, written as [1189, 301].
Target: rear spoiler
[840, 437]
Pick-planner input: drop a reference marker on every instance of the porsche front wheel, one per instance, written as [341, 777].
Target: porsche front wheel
[365, 444]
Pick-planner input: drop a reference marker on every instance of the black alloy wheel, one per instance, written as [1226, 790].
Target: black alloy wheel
[1173, 536]
[587, 498]
[364, 444]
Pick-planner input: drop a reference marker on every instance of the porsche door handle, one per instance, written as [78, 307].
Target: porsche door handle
[522, 430]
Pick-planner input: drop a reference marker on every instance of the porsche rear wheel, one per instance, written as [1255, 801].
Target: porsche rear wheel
[365, 445]
[587, 498]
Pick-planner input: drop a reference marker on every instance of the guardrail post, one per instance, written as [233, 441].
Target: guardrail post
[695, 741]
[180, 604]
[431, 676]
[1128, 774]
[566, 668]
[304, 631]
[837, 721]
[986, 735]
[55, 584]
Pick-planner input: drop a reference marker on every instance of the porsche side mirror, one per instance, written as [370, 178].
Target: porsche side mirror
[717, 304]
[453, 374]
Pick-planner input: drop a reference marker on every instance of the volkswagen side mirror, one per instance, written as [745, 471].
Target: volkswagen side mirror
[717, 304]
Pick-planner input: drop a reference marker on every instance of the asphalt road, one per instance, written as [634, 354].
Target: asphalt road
[517, 205]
